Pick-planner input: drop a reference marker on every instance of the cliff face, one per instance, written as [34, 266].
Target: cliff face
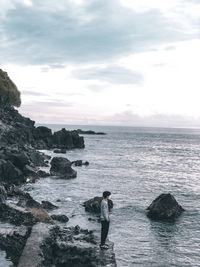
[16, 129]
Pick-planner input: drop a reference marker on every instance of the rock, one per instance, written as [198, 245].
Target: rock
[28, 170]
[3, 194]
[67, 139]
[89, 132]
[43, 174]
[16, 215]
[80, 163]
[94, 204]
[41, 215]
[62, 167]
[40, 232]
[9, 173]
[19, 159]
[74, 246]
[27, 201]
[60, 217]
[164, 207]
[37, 158]
[13, 240]
[61, 151]
[48, 205]
[36, 208]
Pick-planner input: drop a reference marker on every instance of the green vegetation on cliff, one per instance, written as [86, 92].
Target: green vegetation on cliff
[9, 94]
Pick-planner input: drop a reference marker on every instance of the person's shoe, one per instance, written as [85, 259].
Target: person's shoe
[104, 246]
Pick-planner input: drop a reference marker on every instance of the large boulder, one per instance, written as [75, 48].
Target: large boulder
[67, 139]
[164, 207]
[94, 204]
[61, 167]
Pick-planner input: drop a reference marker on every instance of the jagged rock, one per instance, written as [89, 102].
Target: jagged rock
[9, 173]
[37, 158]
[3, 194]
[61, 151]
[13, 240]
[67, 139]
[94, 204]
[73, 246]
[60, 217]
[164, 207]
[48, 205]
[43, 174]
[89, 132]
[19, 159]
[26, 200]
[62, 167]
[80, 163]
[16, 215]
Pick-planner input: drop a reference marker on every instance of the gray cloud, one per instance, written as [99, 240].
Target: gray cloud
[32, 93]
[48, 104]
[156, 120]
[111, 74]
[57, 33]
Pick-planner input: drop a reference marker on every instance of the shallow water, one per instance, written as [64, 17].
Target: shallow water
[136, 165]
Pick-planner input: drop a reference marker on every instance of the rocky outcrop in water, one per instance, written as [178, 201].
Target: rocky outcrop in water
[61, 167]
[79, 163]
[164, 207]
[73, 246]
[94, 204]
[90, 132]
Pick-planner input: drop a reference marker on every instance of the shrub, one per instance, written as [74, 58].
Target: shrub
[9, 94]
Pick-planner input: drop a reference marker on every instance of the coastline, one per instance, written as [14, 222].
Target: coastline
[19, 154]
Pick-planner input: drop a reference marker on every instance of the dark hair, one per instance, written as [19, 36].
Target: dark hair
[106, 194]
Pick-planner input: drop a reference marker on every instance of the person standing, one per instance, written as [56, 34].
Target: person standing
[105, 219]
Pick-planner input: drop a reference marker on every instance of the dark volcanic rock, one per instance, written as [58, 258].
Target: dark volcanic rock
[48, 205]
[80, 163]
[94, 204]
[9, 173]
[13, 240]
[43, 174]
[62, 167]
[73, 246]
[164, 207]
[60, 151]
[16, 215]
[89, 132]
[37, 158]
[60, 217]
[67, 139]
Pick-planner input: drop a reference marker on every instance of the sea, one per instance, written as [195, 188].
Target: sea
[136, 164]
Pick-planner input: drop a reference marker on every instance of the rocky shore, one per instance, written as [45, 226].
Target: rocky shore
[34, 238]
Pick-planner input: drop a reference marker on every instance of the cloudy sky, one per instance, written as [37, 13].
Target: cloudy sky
[104, 62]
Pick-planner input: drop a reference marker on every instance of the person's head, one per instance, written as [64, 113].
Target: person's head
[106, 194]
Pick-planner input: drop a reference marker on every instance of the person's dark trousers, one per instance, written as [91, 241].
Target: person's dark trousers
[104, 231]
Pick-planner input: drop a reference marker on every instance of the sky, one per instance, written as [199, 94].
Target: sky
[104, 62]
